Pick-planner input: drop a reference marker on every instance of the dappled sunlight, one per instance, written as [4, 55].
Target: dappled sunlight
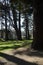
[21, 32]
[22, 55]
[16, 60]
[14, 44]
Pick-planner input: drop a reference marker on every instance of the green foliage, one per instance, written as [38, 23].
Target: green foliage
[14, 44]
[1, 39]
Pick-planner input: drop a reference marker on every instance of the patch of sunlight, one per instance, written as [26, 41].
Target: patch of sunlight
[14, 44]
[6, 45]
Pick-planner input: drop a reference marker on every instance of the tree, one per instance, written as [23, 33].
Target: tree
[18, 31]
[6, 32]
[38, 25]
[14, 5]
[4, 14]
[26, 25]
[27, 13]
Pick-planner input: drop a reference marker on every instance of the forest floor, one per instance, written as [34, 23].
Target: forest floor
[21, 56]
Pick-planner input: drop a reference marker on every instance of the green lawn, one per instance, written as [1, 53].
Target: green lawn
[6, 45]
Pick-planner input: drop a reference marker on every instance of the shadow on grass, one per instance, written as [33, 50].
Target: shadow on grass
[16, 60]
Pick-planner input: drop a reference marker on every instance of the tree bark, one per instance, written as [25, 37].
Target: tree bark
[38, 25]
[6, 31]
[18, 32]
[20, 25]
[27, 28]
[1, 30]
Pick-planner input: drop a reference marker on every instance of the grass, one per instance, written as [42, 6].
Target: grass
[6, 45]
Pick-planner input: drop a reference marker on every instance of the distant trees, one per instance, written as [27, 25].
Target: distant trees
[17, 8]
[21, 10]
[5, 17]
[18, 30]
[26, 14]
[26, 26]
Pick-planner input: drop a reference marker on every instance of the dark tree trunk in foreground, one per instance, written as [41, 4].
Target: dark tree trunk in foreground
[38, 25]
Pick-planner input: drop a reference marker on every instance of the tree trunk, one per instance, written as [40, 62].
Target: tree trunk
[38, 25]
[27, 28]
[6, 32]
[1, 29]
[20, 25]
[18, 32]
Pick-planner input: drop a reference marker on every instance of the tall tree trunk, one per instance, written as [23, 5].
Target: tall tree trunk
[18, 32]
[20, 25]
[6, 31]
[38, 25]
[20, 19]
[1, 29]
[27, 28]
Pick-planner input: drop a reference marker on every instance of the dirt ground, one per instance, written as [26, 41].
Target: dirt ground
[21, 56]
